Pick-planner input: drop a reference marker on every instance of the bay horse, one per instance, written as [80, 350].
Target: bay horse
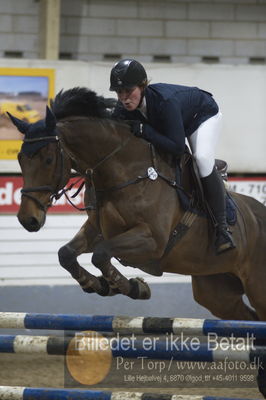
[137, 211]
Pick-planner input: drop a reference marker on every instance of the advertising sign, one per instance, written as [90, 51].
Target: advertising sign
[24, 93]
[10, 196]
[253, 187]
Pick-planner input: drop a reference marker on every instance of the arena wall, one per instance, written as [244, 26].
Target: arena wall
[216, 31]
[216, 45]
[239, 90]
[28, 264]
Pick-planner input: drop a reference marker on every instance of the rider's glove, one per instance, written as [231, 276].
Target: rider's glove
[136, 128]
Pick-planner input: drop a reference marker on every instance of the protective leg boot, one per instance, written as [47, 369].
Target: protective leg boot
[214, 191]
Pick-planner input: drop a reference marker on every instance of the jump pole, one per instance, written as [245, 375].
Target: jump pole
[129, 348]
[23, 393]
[129, 325]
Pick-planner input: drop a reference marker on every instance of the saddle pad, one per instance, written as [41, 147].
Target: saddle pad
[231, 214]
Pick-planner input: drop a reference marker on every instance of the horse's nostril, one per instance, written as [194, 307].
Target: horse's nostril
[34, 223]
[31, 224]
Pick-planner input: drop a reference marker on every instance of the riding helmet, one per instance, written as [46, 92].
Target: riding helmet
[127, 73]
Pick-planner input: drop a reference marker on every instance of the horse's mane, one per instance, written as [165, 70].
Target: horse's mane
[81, 101]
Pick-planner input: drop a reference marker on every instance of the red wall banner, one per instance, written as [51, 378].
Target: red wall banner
[10, 196]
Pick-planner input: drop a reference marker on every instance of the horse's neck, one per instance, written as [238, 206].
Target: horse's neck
[84, 140]
[67, 166]
[103, 145]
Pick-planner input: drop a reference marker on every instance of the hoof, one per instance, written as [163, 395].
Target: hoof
[88, 290]
[139, 289]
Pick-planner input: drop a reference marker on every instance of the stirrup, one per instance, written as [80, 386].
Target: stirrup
[224, 241]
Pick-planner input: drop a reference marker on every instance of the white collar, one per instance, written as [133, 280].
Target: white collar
[143, 107]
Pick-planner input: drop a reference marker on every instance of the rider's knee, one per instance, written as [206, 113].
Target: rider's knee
[204, 162]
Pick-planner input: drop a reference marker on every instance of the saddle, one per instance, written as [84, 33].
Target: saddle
[192, 199]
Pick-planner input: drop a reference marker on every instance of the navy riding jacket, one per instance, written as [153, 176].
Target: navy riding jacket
[174, 112]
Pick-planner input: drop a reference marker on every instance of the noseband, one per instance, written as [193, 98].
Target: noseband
[54, 191]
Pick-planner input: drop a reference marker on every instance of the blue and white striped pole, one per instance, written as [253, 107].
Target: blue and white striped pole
[22, 393]
[129, 325]
[132, 348]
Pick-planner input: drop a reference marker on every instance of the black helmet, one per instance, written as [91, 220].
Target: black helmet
[127, 73]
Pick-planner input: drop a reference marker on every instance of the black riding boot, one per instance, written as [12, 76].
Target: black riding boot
[214, 191]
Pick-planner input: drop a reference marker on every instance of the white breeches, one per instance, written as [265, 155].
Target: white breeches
[203, 143]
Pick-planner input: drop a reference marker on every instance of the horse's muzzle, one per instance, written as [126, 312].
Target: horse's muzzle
[31, 224]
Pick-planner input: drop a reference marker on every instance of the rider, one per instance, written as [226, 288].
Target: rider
[165, 114]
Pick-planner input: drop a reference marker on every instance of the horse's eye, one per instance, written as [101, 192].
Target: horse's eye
[49, 160]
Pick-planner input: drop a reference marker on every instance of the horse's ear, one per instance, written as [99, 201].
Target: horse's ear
[21, 125]
[50, 120]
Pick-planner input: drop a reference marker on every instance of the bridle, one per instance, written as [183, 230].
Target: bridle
[58, 191]
[152, 173]
[26, 192]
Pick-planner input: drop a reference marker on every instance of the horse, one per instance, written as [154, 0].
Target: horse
[138, 212]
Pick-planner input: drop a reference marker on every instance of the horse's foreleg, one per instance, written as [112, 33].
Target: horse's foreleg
[83, 242]
[137, 243]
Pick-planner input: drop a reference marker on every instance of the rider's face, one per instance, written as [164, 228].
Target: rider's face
[130, 98]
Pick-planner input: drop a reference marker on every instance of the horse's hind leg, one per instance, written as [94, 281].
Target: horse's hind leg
[255, 289]
[222, 295]
[83, 242]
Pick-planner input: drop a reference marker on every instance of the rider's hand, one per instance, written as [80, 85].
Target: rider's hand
[136, 128]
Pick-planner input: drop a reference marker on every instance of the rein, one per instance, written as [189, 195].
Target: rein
[56, 192]
[64, 190]
[90, 171]
[152, 173]
[108, 156]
